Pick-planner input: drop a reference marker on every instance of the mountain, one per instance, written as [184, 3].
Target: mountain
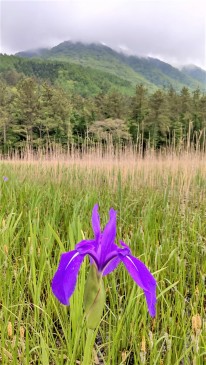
[95, 56]
[195, 72]
[152, 72]
[71, 77]
[33, 53]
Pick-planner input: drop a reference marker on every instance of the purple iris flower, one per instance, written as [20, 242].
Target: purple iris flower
[106, 256]
[5, 178]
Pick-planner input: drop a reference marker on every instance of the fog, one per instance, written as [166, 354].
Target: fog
[174, 31]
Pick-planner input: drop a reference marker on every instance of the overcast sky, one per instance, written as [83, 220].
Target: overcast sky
[172, 30]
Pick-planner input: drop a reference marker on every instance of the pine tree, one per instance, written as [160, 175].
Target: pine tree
[157, 120]
[26, 109]
[138, 112]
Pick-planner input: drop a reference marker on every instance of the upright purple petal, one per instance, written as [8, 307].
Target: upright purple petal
[108, 236]
[142, 276]
[65, 278]
[96, 222]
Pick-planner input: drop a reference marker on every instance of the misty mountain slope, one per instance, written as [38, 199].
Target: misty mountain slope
[95, 56]
[151, 72]
[159, 72]
[70, 76]
[195, 72]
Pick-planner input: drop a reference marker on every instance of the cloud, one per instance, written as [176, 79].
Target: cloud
[173, 30]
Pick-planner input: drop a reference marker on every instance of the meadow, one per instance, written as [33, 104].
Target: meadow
[45, 209]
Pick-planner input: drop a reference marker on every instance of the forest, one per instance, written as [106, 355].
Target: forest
[54, 104]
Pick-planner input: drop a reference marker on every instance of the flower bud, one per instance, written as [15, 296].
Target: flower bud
[94, 298]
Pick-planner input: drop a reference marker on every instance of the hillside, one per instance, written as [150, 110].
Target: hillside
[195, 72]
[81, 80]
[153, 73]
[94, 56]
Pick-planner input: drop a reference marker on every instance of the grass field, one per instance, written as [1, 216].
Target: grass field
[45, 209]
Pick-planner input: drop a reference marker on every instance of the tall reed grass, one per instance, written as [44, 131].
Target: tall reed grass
[45, 210]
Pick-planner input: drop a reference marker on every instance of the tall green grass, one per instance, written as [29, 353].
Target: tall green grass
[45, 209]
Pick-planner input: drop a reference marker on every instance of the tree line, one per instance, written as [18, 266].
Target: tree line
[37, 113]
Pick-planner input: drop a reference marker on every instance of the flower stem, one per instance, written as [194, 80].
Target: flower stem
[88, 347]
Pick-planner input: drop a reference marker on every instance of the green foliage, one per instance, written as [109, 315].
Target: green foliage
[109, 129]
[94, 298]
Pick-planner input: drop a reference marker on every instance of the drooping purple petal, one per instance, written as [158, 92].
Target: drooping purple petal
[108, 236]
[112, 260]
[151, 300]
[111, 266]
[65, 278]
[142, 276]
[96, 222]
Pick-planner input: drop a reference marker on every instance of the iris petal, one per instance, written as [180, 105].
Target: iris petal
[142, 276]
[151, 300]
[65, 278]
[108, 236]
[96, 222]
[111, 266]
[85, 245]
